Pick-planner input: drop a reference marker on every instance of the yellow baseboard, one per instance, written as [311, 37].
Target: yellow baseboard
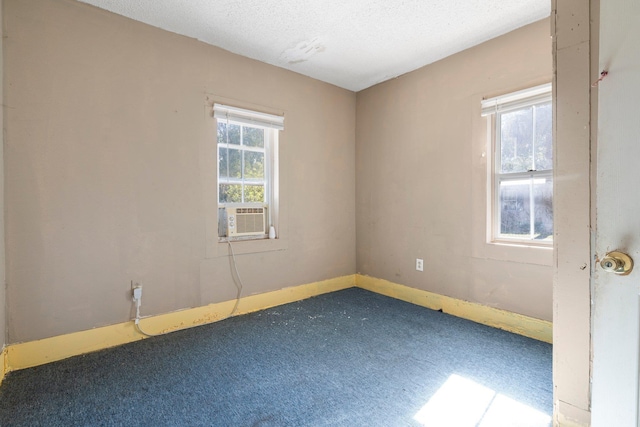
[3, 363]
[34, 353]
[512, 322]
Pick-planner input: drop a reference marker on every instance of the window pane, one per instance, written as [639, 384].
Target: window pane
[515, 219]
[254, 193]
[231, 158]
[222, 162]
[543, 203]
[544, 147]
[234, 133]
[253, 165]
[253, 137]
[230, 193]
[516, 141]
[222, 129]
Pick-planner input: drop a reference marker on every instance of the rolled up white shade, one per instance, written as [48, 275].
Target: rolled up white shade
[516, 100]
[248, 117]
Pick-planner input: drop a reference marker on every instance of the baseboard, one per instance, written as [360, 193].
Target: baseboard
[3, 363]
[567, 415]
[512, 322]
[34, 353]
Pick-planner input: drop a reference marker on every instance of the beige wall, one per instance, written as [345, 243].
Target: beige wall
[110, 170]
[421, 172]
[110, 161]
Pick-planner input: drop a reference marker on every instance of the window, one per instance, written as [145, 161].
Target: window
[522, 170]
[247, 171]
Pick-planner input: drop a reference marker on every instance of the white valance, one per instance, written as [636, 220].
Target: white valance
[248, 117]
[517, 100]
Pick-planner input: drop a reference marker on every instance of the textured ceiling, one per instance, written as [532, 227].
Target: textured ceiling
[353, 44]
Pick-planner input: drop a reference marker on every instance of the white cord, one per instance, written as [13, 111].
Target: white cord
[137, 322]
[239, 282]
[235, 306]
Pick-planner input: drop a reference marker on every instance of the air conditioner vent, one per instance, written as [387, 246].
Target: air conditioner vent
[250, 210]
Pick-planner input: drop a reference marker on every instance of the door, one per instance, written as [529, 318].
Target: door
[616, 298]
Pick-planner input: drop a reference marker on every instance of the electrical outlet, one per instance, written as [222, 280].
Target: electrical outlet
[419, 264]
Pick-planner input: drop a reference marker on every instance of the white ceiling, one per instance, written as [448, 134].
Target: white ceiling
[353, 44]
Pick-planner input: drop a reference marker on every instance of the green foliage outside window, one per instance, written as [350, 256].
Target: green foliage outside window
[241, 163]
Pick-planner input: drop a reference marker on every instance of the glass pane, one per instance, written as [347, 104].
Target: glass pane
[230, 193]
[233, 136]
[222, 162]
[253, 165]
[254, 193]
[516, 140]
[253, 137]
[229, 163]
[514, 209]
[543, 214]
[222, 129]
[544, 147]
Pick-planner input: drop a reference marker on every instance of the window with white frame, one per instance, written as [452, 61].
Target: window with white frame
[522, 168]
[247, 171]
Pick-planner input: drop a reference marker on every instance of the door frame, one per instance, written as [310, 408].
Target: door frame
[574, 30]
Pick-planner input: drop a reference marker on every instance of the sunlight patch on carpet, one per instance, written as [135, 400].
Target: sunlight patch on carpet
[462, 402]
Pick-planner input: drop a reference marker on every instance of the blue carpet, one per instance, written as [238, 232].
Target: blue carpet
[349, 358]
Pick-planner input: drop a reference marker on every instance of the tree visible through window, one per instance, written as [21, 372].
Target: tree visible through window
[241, 163]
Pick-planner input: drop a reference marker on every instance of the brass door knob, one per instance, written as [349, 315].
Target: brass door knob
[617, 263]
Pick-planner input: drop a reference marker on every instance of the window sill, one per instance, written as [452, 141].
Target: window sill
[520, 252]
[522, 243]
[248, 246]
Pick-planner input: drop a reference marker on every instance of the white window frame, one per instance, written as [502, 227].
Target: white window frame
[494, 108]
[271, 125]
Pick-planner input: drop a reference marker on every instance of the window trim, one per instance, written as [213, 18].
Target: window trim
[495, 107]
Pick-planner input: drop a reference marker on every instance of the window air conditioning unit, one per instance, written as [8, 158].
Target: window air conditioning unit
[246, 221]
